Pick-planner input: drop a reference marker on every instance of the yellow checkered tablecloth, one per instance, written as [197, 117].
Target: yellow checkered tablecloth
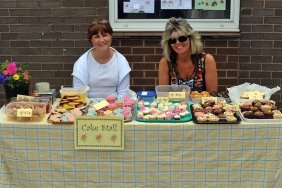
[156, 155]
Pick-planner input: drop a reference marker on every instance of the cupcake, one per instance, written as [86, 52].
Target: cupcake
[161, 117]
[277, 115]
[213, 119]
[119, 104]
[126, 112]
[111, 99]
[231, 119]
[201, 119]
[258, 115]
[177, 117]
[112, 106]
[265, 108]
[268, 114]
[128, 103]
[100, 112]
[245, 107]
[248, 114]
[199, 114]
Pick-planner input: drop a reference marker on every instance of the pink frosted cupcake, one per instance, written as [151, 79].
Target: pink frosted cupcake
[112, 106]
[126, 112]
[128, 103]
[119, 104]
[111, 99]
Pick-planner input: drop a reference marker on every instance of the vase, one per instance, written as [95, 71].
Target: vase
[11, 92]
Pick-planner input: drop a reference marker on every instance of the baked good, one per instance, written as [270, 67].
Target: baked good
[252, 95]
[268, 114]
[277, 116]
[258, 115]
[111, 99]
[248, 114]
[231, 119]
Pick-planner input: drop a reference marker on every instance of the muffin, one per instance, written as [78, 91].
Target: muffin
[248, 114]
[111, 99]
[231, 119]
[265, 108]
[259, 115]
[245, 107]
[268, 114]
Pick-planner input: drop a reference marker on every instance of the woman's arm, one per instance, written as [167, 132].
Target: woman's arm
[163, 72]
[123, 87]
[76, 82]
[211, 74]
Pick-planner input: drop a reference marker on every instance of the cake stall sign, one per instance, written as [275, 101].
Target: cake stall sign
[99, 132]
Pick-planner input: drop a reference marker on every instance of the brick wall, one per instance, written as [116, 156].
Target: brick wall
[51, 35]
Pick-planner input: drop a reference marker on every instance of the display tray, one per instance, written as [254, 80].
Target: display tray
[187, 118]
[258, 120]
[220, 121]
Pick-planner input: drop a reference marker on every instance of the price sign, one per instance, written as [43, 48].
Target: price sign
[162, 99]
[204, 99]
[176, 95]
[24, 112]
[99, 132]
[101, 104]
[24, 98]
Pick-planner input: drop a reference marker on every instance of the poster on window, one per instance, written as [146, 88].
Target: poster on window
[176, 4]
[139, 6]
[210, 4]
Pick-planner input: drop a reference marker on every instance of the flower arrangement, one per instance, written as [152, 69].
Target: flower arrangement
[13, 74]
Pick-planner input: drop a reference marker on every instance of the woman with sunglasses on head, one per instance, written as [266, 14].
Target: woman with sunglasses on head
[102, 68]
[184, 62]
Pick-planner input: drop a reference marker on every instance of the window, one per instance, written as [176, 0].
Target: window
[151, 15]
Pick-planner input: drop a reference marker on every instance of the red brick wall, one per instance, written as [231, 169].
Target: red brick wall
[51, 35]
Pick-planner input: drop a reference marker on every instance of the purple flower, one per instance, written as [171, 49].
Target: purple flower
[2, 79]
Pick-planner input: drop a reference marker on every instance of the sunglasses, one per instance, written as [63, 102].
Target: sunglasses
[98, 22]
[180, 39]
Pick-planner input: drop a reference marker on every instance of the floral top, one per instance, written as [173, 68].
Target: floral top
[197, 79]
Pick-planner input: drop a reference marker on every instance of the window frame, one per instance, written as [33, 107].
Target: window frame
[156, 25]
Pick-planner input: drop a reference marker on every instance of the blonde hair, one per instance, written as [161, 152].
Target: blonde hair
[182, 27]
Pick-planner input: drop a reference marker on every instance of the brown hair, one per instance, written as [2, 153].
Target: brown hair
[99, 25]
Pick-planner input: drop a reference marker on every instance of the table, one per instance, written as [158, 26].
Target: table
[155, 155]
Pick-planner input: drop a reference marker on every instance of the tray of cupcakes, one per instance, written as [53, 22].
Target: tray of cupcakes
[112, 106]
[215, 112]
[262, 110]
[153, 111]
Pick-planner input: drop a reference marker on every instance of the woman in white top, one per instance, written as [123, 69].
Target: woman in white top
[102, 68]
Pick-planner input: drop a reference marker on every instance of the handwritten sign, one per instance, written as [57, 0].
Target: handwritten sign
[204, 99]
[99, 132]
[176, 95]
[162, 99]
[101, 104]
[24, 98]
[24, 112]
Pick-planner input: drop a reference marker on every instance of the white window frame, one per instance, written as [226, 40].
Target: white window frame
[156, 25]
